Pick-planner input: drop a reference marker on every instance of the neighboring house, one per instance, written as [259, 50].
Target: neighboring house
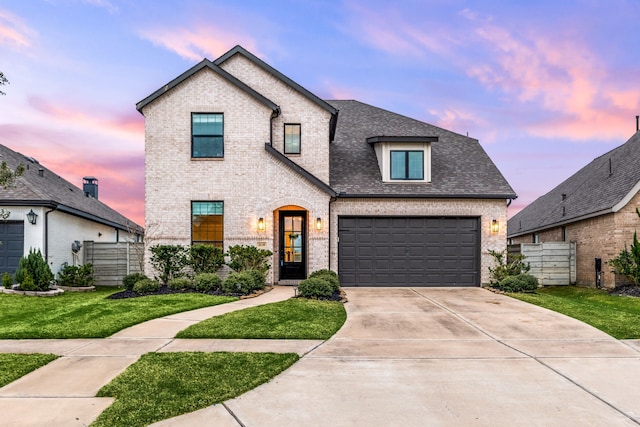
[238, 153]
[46, 212]
[595, 208]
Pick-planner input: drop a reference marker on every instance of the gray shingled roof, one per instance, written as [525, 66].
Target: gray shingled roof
[594, 190]
[460, 166]
[51, 190]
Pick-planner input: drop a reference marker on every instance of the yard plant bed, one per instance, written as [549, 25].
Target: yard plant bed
[629, 291]
[165, 290]
[295, 318]
[165, 385]
[90, 315]
[15, 366]
[616, 315]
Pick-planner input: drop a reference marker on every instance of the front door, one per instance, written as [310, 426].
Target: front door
[293, 251]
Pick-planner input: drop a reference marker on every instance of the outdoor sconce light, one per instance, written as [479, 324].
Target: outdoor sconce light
[31, 217]
[318, 224]
[495, 226]
[261, 224]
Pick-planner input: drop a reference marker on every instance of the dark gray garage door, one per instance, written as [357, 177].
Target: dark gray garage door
[12, 247]
[408, 251]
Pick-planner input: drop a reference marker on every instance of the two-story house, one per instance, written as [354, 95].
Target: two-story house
[238, 153]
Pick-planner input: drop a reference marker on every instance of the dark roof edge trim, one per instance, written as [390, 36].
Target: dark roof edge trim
[205, 63]
[269, 69]
[376, 139]
[71, 211]
[426, 196]
[560, 223]
[300, 170]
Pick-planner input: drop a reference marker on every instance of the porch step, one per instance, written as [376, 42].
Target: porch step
[289, 282]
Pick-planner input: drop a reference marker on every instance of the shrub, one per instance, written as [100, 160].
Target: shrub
[146, 286]
[507, 265]
[180, 283]
[205, 259]
[239, 283]
[519, 283]
[328, 275]
[207, 282]
[130, 279]
[7, 281]
[627, 263]
[38, 269]
[315, 287]
[71, 275]
[258, 279]
[168, 260]
[27, 283]
[242, 258]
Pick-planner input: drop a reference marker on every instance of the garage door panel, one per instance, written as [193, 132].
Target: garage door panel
[409, 251]
[12, 247]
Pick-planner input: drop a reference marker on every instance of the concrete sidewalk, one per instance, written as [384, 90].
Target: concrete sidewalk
[62, 393]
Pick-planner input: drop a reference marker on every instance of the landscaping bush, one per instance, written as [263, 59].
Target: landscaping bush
[7, 281]
[74, 276]
[205, 259]
[242, 258]
[315, 287]
[27, 283]
[207, 282]
[328, 275]
[258, 279]
[180, 283]
[519, 283]
[627, 263]
[38, 270]
[168, 260]
[507, 265]
[239, 283]
[130, 279]
[146, 286]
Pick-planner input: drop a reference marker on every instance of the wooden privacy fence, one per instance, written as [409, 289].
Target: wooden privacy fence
[112, 261]
[552, 263]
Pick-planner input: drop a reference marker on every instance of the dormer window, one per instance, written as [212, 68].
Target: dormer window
[404, 158]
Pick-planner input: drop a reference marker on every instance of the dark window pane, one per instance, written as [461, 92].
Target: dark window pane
[416, 170]
[207, 146]
[207, 135]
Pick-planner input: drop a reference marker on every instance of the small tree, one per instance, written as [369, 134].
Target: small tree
[205, 258]
[507, 265]
[242, 258]
[627, 263]
[34, 266]
[168, 260]
[7, 176]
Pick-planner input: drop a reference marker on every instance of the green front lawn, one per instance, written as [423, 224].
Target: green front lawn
[89, 315]
[165, 385]
[296, 318]
[13, 366]
[618, 316]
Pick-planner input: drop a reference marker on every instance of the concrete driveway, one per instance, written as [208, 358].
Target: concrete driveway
[451, 357]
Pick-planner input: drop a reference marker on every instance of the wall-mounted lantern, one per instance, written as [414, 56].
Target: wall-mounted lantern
[261, 224]
[495, 226]
[318, 224]
[31, 217]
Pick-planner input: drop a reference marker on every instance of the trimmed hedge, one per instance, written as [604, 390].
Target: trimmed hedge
[315, 287]
[239, 283]
[207, 282]
[180, 283]
[131, 279]
[328, 275]
[519, 283]
[146, 286]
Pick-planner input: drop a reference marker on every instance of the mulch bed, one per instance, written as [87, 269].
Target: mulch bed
[165, 290]
[629, 291]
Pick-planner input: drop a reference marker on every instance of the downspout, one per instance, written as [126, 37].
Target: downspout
[46, 233]
[274, 114]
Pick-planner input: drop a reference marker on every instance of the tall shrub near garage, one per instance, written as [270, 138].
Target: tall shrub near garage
[35, 267]
[627, 263]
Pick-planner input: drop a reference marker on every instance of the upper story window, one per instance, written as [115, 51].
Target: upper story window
[407, 165]
[292, 138]
[207, 135]
[207, 223]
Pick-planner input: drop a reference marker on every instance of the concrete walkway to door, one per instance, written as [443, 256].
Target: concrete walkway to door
[452, 357]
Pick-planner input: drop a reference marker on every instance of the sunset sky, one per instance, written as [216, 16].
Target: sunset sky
[545, 86]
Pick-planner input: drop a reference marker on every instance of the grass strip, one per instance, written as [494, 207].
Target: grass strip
[89, 314]
[296, 318]
[165, 385]
[14, 366]
[618, 316]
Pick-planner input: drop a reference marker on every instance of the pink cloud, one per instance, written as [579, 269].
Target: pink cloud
[201, 39]
[14, 32]
[130, 123]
